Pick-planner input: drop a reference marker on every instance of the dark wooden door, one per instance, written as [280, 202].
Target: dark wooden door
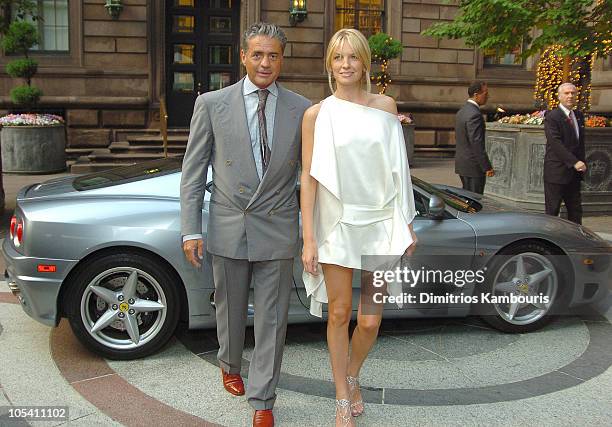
[202, 52]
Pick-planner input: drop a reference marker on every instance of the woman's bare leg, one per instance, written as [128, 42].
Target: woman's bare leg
[339, 292]
[364, 336]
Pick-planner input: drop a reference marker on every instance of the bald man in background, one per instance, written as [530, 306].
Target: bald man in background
[564, 161]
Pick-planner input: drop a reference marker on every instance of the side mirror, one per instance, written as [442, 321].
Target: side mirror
[436, 207]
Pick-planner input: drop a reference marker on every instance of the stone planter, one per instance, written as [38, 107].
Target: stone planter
[33, 149]
[517, 155]
[409, 140]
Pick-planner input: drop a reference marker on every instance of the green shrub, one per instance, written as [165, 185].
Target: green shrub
[384, 47]
[19, 38]
[25, 95]
[24, 68]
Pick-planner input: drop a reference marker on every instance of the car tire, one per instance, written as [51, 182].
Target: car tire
[544, 273]
[123, 306]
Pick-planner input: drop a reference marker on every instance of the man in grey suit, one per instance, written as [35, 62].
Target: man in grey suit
[471, 160]
[250, 133]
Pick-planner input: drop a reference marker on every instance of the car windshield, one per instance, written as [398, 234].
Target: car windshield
[123, 175]
[450, 198]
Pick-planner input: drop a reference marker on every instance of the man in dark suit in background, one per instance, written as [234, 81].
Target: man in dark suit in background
[471, 160]
[564, 161]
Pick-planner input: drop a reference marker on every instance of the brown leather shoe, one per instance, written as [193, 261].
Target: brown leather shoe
[233, 383]
[263, 418]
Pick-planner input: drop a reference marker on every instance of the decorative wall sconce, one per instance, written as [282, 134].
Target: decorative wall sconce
[114, 8]
[297, 11]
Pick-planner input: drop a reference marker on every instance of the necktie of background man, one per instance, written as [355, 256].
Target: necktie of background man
[574, 123]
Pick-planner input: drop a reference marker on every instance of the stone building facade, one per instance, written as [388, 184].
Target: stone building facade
[111, 74]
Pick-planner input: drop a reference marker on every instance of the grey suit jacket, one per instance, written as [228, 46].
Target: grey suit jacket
[248, 219]
[470, 156]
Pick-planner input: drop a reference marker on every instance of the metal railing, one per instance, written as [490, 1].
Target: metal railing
[163, 124]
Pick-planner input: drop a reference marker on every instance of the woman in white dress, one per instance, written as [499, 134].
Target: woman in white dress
[356, 200]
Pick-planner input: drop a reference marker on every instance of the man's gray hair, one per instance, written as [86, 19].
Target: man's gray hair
[263, 29]
[562, 85]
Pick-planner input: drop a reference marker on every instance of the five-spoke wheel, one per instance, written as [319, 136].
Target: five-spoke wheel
[123, 305]
[525, 286]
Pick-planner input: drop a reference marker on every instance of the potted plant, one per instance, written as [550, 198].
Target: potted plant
[31, 143]
[407, 122]
[384, 48]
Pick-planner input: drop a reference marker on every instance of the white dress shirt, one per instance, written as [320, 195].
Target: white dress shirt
[567, 112]
[474, 102]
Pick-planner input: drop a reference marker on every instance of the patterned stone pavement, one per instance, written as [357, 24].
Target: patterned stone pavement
[425, 372]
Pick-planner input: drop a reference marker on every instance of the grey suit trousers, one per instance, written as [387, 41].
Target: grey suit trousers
[272, 282]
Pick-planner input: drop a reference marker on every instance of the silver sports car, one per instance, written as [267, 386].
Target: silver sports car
[104, 250]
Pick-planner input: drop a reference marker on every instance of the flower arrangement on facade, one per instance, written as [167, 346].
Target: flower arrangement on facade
[596, 122]
[406, 119]
[31, 120]
[535, 118]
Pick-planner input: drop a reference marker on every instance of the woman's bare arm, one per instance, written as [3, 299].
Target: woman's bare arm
[308, 188]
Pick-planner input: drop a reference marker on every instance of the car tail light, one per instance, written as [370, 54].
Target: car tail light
[19, 233]
[13, 226]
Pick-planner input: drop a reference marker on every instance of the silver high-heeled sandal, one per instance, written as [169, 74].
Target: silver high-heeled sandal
[343, 408]
[357, 406]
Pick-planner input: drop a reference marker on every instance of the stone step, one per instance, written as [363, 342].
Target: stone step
[157, 140]
[435, 152]
[123, 157]
[124, 134]
[126, 147]
[75, 153]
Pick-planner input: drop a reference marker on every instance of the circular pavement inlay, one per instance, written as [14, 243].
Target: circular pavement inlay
[460, 362]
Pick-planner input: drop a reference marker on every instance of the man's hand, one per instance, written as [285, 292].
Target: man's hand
[580, 166]
[490, 173]
[194, 251]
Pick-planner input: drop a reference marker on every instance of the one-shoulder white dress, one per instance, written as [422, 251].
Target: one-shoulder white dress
[364, 201]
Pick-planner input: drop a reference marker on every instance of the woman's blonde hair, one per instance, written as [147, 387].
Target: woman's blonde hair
[360, 46]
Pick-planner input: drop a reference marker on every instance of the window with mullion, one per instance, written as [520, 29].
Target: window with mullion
[364, 15]
[52, 26]
[491, 58]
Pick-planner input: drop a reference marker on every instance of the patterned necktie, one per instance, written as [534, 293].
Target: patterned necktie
[574, 123]
[263, 130]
